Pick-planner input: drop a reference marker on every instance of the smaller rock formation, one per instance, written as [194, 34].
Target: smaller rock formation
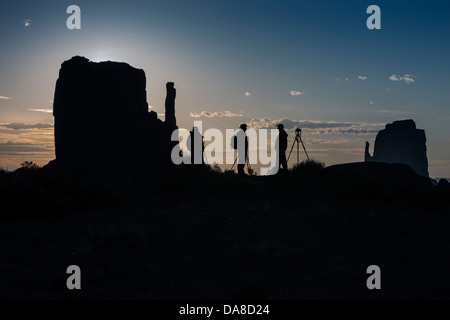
[367, 156]
[401, 142]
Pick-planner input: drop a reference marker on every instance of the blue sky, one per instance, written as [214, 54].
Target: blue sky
[216, 51]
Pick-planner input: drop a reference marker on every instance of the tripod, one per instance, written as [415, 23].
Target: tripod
[298, 139]
[247, 162]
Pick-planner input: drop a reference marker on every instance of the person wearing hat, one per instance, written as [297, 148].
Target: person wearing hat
[282, 146]
[242, 148]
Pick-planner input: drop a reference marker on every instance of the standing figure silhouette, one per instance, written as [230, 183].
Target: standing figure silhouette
[242, 148]
[194, 147]
[282, 146]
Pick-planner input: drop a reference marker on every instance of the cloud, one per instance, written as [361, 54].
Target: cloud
[219, 114]
[355, 131]
[4, 98]
[296, 93]
[290, 124]
[21, 126]
[362, 77]
[408, 78]
[372, 102]
[42, 110]
[27, 22]
[394, 78]
[247, 94]
[434, 163]
[319, 127]
[22, 147]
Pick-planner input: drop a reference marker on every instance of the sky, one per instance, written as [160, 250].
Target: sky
[308, 64]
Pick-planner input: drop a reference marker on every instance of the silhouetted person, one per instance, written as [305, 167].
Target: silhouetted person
[242, 148]
[191, 145]
[282, 146]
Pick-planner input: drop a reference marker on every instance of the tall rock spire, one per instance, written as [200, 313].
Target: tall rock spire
[170, 120]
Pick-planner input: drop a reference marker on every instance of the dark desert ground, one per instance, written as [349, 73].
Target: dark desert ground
[191, 232]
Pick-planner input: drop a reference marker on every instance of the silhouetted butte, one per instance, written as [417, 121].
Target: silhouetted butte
[102, 118]
[401, 142]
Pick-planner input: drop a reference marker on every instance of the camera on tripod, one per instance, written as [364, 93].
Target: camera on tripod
[298, 140]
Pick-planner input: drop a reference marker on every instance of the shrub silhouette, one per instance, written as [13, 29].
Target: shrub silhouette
[309, 167]
[251, 172]
[214, 168]
[29, 165]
